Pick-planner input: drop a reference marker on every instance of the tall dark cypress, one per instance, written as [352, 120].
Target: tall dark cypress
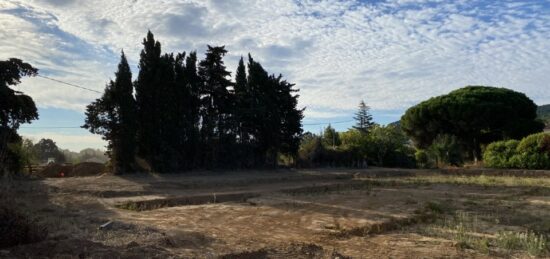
[114, 117]
[291, 118]
[216, 103]
[258, 121]
[275, 120]
[192, 148]
[243, 115]
[148, 135]
[166, 157]
[181, 107]
[124, 98]
[241, 102]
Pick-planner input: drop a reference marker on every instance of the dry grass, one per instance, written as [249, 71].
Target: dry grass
[16, 227]
[478, 180]
[427, 215]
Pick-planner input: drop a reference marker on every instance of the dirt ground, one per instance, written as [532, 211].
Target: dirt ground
[373, 213]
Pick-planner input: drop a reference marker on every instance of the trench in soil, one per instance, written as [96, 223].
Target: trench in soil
[184, 201]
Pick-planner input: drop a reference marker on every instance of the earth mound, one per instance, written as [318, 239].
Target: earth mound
[80, 169]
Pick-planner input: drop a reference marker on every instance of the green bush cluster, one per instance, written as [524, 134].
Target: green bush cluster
[444, 150]
[532, 152]
[382, 146]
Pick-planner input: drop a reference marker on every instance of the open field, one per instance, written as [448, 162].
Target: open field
[374, 213]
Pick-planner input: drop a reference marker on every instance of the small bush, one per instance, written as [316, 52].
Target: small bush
[422, 159]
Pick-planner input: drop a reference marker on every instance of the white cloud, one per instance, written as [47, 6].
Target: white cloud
[392, 54]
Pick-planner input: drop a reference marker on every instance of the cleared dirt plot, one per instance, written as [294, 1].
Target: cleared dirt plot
[375, 213]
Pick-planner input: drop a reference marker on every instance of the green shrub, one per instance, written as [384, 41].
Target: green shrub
[499, 154]
[422, 159]
[446, 149]
[310, 151]
[532, 152]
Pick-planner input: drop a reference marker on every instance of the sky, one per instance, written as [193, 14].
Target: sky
[391, 54]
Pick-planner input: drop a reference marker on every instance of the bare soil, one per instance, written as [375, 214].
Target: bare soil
[374, 213]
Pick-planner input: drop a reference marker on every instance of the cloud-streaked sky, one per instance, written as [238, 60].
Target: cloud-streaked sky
[392, 54]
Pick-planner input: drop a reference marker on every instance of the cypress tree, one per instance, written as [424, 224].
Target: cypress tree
[114, 117]
[289, 117]
[256, 122]
[166, 157]
[216, 102]
[192, 148]
[275, 121]
[148, 133]
[241, 113]
[182, 120]
[124, 98]
[242, 99]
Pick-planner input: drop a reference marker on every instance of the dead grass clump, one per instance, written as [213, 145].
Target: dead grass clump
[532, 243]
[297, 251]
[258, 254]
[466, 230]
[16, 228]
[429, 213]
[363, 185]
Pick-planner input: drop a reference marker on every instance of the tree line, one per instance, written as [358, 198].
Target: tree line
[181, 113]
[366, 143]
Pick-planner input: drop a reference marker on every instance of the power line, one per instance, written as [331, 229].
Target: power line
[52, 127]
[95, 91]
[69, 84]
[75, 127]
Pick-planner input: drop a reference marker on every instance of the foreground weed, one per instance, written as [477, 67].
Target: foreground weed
[460, 227]
[437, 207]
[532, 243]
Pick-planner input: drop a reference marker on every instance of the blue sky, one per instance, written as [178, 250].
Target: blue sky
[392, 54]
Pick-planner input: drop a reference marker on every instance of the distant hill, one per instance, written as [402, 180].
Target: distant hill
[544, 113]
